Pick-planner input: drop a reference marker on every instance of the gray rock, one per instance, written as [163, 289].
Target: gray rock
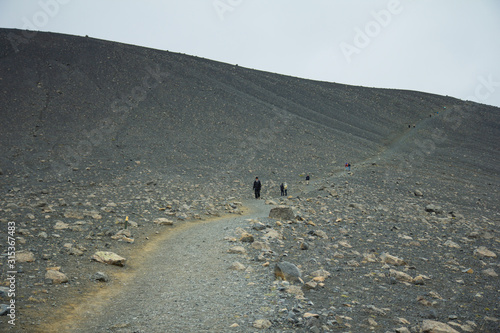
[434, 209]
[4, 291]
[287, 271]
[4, 309]
[100, 276]
[281, 213]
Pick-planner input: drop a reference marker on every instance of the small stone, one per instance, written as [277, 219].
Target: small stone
[261, 246]
[418, 193]
[311, 285]
[431, 326]
[310, 315]
[433, 209]
[281, 213]
[320, 273]
[490, 272]
[237, 266]
[320, 234]
[451, 244]
[246, 238]
[482, 251]
[401, 276]
[392, 260]
[56, 276]
[100, 276]
[60, 225]
[304, 246]
[262, 323]
[4, 309]
[109, 258]
[25, 256]
[237, 250]
[163, 221]
[419, 280]
[402, 330]
[357, 206]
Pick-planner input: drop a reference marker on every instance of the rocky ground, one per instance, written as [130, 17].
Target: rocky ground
[114, 148]
[389, 257]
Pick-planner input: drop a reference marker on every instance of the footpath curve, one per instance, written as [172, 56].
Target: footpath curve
[183, 285]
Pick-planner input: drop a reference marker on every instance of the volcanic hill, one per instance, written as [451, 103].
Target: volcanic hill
[114, 130]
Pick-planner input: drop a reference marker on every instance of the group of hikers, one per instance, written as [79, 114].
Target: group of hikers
[257, 185]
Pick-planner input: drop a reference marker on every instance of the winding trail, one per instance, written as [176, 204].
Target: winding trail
[183, 285]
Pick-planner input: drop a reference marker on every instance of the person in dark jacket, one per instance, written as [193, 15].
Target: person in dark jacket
[256, 187]
[282, 188]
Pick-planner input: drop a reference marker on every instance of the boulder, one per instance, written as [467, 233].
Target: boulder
[287, 271]
[282, 213]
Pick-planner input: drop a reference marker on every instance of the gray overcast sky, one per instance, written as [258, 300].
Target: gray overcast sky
[447, 47]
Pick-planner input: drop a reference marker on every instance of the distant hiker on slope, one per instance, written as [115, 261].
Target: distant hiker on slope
[256, 187]
[307, 179]
[347, 167]
[282, 188]
[285, 187]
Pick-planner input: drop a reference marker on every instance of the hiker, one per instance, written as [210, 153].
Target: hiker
[347, 167]
[282, 188]
[307, 179]
[256, 187]
[285, 187]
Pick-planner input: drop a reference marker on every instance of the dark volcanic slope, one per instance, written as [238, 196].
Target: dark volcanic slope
[71, 102]
[92, 132]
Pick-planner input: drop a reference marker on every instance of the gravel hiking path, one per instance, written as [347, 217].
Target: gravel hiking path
[183, 284]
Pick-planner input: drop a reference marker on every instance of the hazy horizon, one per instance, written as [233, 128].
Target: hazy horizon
[449, 47]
